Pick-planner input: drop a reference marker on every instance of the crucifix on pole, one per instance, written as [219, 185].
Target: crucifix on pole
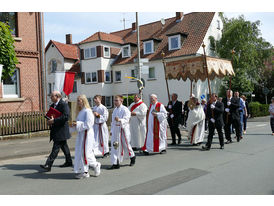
[164, 63]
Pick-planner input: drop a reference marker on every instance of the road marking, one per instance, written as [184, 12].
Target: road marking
[162, 183]
[261, 125]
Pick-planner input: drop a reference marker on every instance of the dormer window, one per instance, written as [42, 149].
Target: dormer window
[148, 47]
[126, 51]
[90, 53]
[174, 42]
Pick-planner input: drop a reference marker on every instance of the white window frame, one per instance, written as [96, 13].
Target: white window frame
[121, 76]
[123, 53]
[111, 102]
[87, 53]
[135, 71]
[51, 70]
[96, 77]
[218, 24]
[109, 76]
[152, 47]
[108, 56]
[86, 79]
[18, 87]
[179, 42]
[151, 78]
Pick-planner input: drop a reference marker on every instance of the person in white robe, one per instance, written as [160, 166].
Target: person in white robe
[101, 134]
[120, 138]
[84, 146]
[138, 111]
[196, 122]
[156, 137]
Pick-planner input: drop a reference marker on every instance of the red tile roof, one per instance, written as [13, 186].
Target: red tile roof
[101, 36]
[195, 25]
[68, 51]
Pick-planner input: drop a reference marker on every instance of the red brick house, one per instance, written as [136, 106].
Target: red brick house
[24, 91]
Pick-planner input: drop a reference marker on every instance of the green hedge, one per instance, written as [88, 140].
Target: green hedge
[130, 100]
[257, 109]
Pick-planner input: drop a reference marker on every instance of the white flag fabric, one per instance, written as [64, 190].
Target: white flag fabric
[59, 81]
[1, 66]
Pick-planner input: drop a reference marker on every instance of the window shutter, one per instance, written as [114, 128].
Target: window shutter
[101, 76]
[83, 76]
[111, 76]
[82, 54]
[113, 105]
[103, 100]
[99, 51]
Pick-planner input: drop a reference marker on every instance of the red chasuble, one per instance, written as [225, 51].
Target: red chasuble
[135, 106]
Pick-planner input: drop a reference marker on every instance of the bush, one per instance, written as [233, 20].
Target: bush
[130, 100]
[257, 109]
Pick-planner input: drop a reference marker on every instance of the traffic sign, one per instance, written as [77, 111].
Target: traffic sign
[266, 91]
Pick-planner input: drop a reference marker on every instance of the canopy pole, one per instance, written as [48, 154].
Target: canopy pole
[164, 63]
[191, 88]
[230, 76]
[206, 68]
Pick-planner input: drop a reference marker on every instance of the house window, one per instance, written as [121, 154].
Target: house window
[108, 102]
[11, 85]
[174, 42]
[49, 89]
[53, 66]
[91, 77]
[107, 76]
[106, 52]
[126, 51]
[74, 87]
[151, 73]
[10, 19]
[134, 73]
[90, 53]
[90, 101]
[118, 77]
[218, 24]
[148, 47]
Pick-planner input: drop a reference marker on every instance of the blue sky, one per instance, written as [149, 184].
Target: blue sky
[83, 24]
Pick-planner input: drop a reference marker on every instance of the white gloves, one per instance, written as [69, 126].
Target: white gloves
[170, 106]
[228, 103]
[212, 106]
[226, 109]
[212, 120]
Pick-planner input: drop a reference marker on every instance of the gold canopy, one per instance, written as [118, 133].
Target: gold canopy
[193, 68]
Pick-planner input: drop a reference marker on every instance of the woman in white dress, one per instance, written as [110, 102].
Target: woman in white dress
[84, 147]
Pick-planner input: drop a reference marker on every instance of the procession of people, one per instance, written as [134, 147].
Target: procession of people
[139, 128]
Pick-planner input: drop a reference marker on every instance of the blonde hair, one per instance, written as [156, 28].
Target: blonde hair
[85, 102]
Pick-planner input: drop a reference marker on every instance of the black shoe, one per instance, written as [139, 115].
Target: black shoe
[163, 152]
[228, 141]
[47, 168]
[66, 164]
[134, 149]
[173, 143]
[179, 141]
[222, 147]
[114, 167]
[205, 148]
[106, 154]
[132, 161]
[146, 153]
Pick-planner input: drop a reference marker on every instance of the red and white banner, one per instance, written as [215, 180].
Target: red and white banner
[64, 82]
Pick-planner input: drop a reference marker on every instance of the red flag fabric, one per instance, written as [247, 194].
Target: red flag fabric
[68, 83]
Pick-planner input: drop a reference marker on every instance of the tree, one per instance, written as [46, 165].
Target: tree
[251, 51]
[7, 53]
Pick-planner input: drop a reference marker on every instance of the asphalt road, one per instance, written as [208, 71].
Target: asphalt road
[240, 169]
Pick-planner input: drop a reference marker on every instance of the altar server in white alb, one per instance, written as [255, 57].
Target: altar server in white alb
[84, 146]
[156, 138]
[195, 122]
[101, 134]
[120, 139]
[138, 111]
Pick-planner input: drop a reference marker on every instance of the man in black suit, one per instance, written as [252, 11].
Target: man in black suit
[231, 116]
[174, 109]
[214, 115]
[59, 132]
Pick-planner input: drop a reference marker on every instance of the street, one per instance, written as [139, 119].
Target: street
[244, 168]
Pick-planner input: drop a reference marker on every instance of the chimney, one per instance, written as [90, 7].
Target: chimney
[179, 16]
[68, 39]
[134, 26]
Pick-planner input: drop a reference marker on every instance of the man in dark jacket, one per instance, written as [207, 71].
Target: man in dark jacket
[174, 109]
[59, 132]
[214, 115]
[231, 116]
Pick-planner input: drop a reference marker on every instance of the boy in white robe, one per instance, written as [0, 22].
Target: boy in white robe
[120, 139]
[137, 122]
[156, 138]
[101, 134]
[84, 154]
[196, 122]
